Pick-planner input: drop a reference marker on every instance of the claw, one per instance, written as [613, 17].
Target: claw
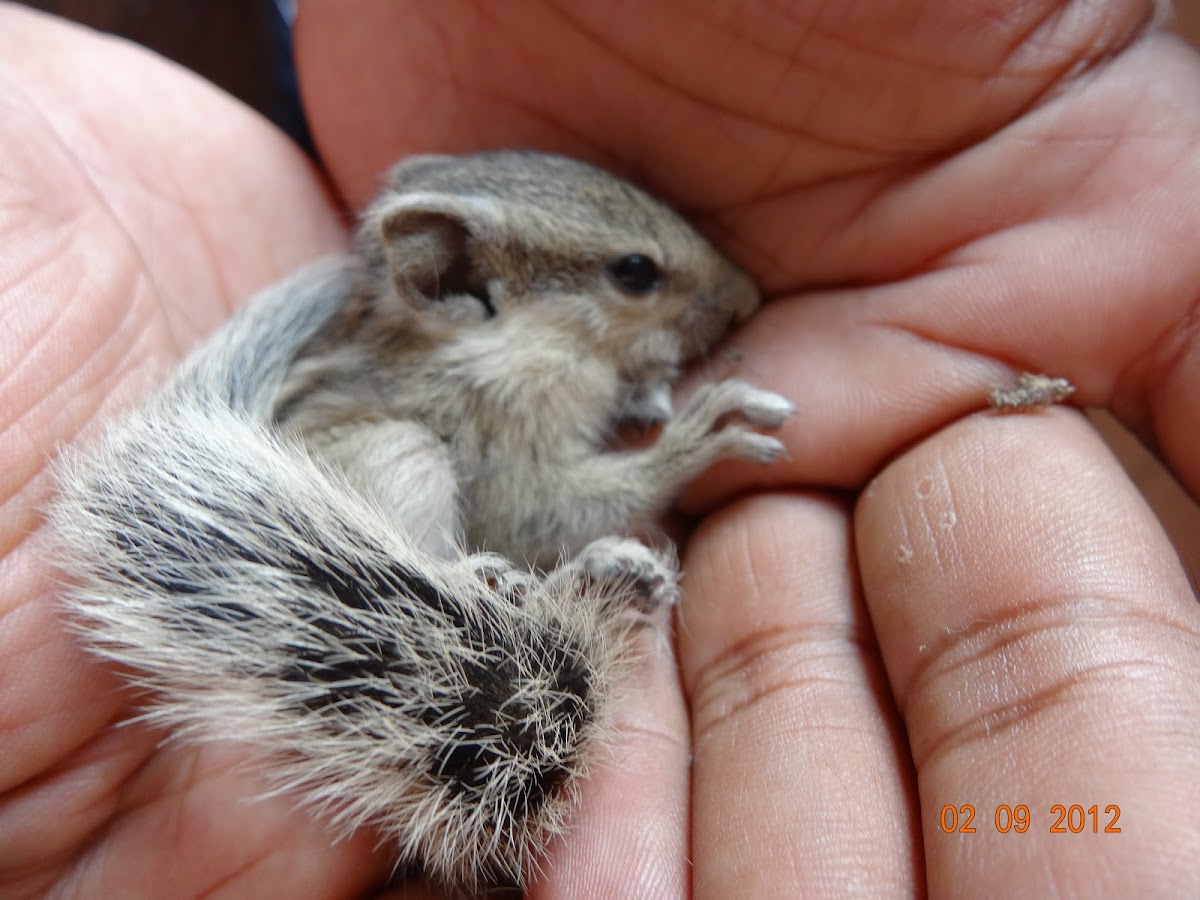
[765, 409]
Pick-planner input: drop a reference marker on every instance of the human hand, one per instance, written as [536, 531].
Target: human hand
[978, 609]
[137, 205]
[999, 577]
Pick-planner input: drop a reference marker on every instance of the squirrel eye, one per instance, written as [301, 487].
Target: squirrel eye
[635, 274]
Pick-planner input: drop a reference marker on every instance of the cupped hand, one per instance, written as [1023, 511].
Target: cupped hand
[930, 608]
[137, 206]
[927, 607]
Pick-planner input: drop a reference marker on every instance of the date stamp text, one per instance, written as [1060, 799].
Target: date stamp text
[1062, 819]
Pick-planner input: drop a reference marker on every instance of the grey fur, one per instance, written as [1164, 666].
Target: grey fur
[373, 526]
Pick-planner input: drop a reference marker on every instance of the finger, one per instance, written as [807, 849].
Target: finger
[777, 119]
[630, 836]
[1051, 277]
[1041, 640]
[801, 781]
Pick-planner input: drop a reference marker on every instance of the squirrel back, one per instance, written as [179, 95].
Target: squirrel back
[244, 364]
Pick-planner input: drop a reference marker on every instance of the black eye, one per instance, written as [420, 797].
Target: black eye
[635, 274]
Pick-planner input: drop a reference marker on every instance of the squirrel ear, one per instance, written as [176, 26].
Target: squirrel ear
[428, 243]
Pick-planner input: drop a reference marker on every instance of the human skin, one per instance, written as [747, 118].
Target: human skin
[927, 605]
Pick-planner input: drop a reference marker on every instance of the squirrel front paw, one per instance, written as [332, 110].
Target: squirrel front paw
[701, 423]
[499, 574]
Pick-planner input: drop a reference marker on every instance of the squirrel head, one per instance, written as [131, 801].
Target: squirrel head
[456, 242]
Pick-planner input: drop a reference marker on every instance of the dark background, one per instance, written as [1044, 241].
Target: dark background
[242, 46]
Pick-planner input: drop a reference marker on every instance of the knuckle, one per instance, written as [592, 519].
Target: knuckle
[1034, 671]
[769, 669]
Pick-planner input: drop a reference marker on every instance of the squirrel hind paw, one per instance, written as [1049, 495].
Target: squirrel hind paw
[647, 578]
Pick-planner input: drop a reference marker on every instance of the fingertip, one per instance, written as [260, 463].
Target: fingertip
[1038, 631]
[629, 837]
[1008, 510]
[801, 778]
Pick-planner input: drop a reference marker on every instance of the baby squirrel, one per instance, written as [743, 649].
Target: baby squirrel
[375, 526]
